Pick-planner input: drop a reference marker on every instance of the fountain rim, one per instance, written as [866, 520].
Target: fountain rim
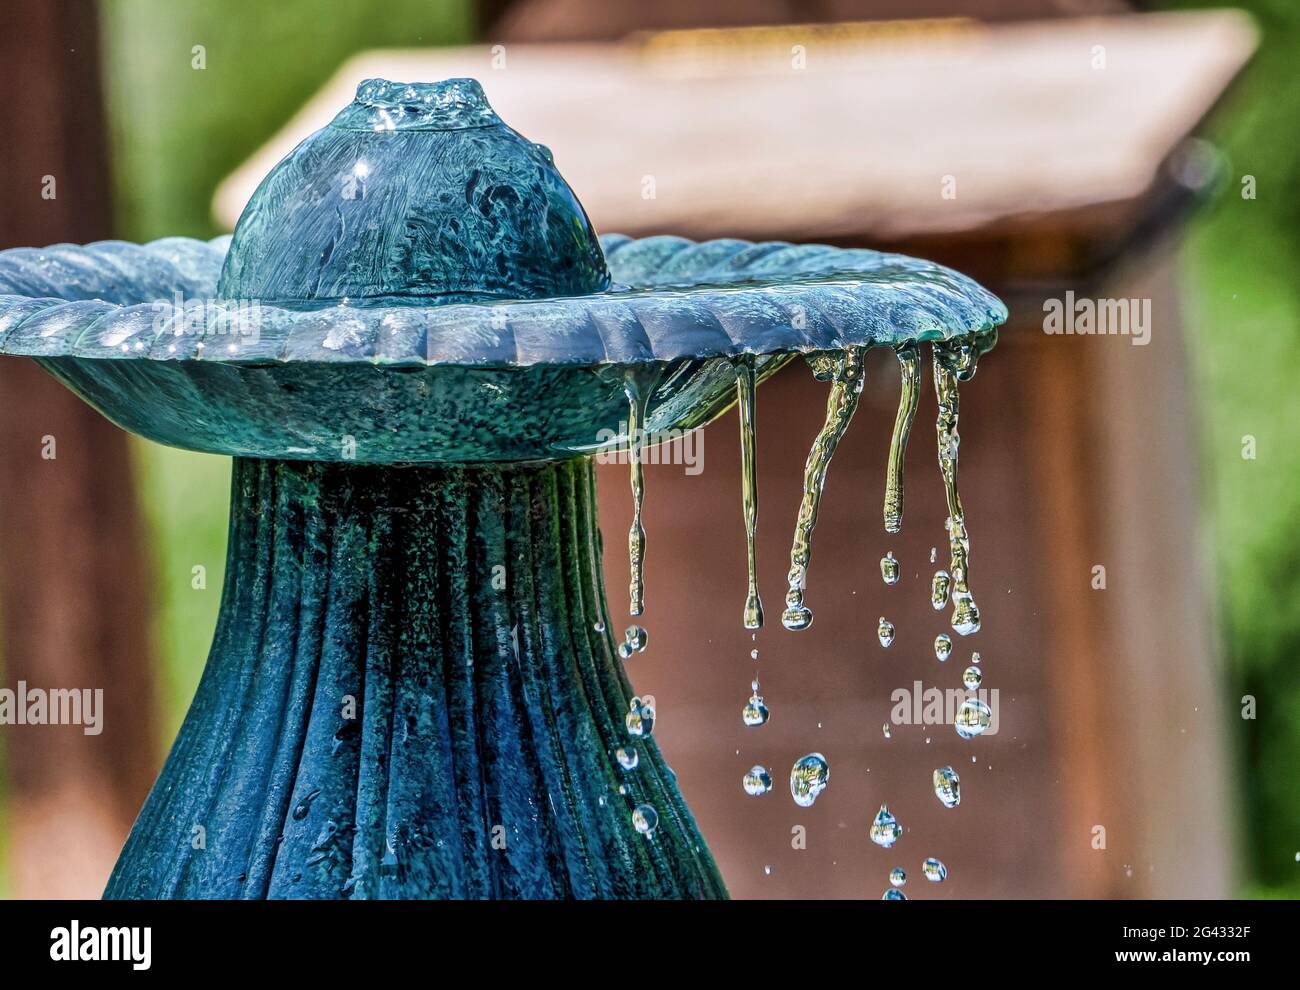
[721, 298]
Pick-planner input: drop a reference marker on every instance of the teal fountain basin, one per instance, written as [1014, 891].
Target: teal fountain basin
[411, 347]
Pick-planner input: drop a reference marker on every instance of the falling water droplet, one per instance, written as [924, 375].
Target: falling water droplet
[942, 647]
[885, 631]
[975, 657]
[973, 717]
[893, 894]
[889, 568]
[755, 711]
[939, 585]
[637, 638]
[951, 364]
[753, 614]
[909, 364]
[972, 678]
[645, 820]
[753, 654]
[808, 778]
[640, 718]
[934, 870]
[628, 757]
[897, 876]
[947, 787]
[884, 729]
[934, 553]
[885, 830]
[758, 781]
[845, 371]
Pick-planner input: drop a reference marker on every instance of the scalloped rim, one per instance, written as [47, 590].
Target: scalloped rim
[677, 299]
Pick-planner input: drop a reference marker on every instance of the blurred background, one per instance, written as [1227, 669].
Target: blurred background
[1110, 149]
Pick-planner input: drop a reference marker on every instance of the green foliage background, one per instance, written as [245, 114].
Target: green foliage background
[1242, 278]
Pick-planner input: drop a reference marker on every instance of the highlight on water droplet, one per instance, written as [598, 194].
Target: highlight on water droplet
[889, 569]
[947, 787]
[939, 585]
[942, 647]
[645, 820]
[885, 829]
[640, 717]
[934, 870]
[755, 711]
[972, 678]
[897, 876]
[757, 781]
[973, 717]
[808, 778]
[885, 632]
[893, 894]
[628, 757]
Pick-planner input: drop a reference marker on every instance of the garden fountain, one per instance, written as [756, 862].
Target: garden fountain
[410, 347]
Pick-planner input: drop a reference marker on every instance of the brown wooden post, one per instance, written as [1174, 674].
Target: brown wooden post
[72, 576]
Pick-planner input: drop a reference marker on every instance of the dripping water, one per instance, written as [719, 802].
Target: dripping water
[845, 372]
[909, 363]
[753, 616]
[951, 364]
[637, 386]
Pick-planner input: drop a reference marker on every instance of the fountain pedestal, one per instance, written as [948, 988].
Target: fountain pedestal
[412, 692]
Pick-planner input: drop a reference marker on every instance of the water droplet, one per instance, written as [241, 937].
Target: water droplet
[889, 568]
[755, 711]
[897, 876]
[757, 781]
[598, 626]
[966, 614]
[767, 871]
[625, 651]
[884, 729]
[934, 554]
[973, 717]
[972, 678]
[808, 778]
[885, 830]
[893, 894]
[885, 631]
[637, 638]
[640, 718]
[645, 819]
[628, 757]
[975, 657]
[753, 654]
[939, 585]
[942, 647]
[947, 787]
[934, 870]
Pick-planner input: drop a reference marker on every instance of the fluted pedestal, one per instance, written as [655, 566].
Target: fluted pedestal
[408, 696]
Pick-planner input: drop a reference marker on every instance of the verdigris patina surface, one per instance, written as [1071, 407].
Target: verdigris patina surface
[411, 347]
